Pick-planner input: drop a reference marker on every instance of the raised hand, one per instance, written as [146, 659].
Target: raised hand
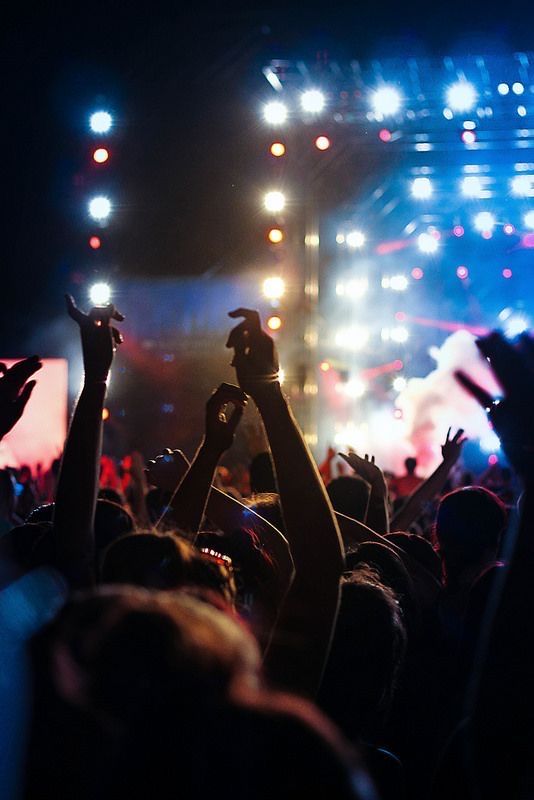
[511, 416]
[221, 426]
[99, 338]
[255, 357]
[167, 470]
[451, 449]
[15, 391]
[364, 467]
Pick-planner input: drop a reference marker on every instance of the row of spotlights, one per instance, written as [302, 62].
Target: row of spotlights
[473, 186]
[387, 100]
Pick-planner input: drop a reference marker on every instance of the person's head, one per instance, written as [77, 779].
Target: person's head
[350, 495]
[367, 651]
[267, 505]
[469, 525]
[164, 561]
[410, 465]
[111, 522]
[25, 474]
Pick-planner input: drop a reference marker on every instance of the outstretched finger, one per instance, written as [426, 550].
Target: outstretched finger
[25, 395]
[457, 436]
[447, 438]
[73, 311]
[15, 377]
[481, 395]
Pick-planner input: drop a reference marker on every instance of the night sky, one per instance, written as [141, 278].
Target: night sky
[187, 156]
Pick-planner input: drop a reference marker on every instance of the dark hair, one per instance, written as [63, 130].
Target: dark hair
[469, 522]
[262, 477]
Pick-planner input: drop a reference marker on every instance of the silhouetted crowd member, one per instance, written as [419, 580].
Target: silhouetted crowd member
[163, 636]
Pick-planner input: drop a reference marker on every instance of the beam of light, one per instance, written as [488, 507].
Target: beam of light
[446, 325]
[312, 101]
[99, 208]
[422, 188]
[371, 373]
[100, 294]
[273, 288]
[274, 201]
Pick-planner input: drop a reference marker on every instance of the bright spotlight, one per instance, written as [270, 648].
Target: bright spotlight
[503, 88]
[275, 113]
[521, 111]
[421, 188]
[461, 96]
[490, 443]
[100, 294]
[274, 201]
[399, 283]
[522, 185]
[518, 88]
[99, 208]
[274, 287]
[322, 143]
[355, 239]
[100, 122]
[399, 334]
[471, 186]
[277, 149]
[274, 323]
[515, 324]
[313, 101]
[528, 220]
[427, 243]
[355, 288]
[386, 101]
[275, 235]
[101, 155]
[354, 388]
[484, 221]
[352, 338]
[399, 384]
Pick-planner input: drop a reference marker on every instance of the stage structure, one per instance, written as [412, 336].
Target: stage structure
[399, 210]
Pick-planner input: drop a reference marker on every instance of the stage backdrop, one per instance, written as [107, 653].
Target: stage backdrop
[39, 436]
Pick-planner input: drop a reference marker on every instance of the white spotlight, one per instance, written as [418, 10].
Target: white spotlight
[484, 222]
[522, 185]
[528, 220]
[399, 334]
[355, 239]
[515, 324]
[100, 294]
[274, 201]
[471, 186]
[503, 88]
[313, 101]
[399, 283]
[99, 208]
[100, 122]
[518, 88]
[421, 188]
[461, 96]
[427, 243]
[274, 287]
[386, 101]
[275, 113]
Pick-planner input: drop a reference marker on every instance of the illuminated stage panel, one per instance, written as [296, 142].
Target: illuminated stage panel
[38, 437]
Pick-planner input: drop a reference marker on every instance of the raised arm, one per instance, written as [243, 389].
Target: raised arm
[501, 700]
[451, 451]
[377, 512]
[301, 642]
[78, 478]
[189, 500]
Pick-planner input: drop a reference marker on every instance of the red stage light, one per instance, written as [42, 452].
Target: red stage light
[384, 135]
[101, 155]
[507, 273]
[94, 242]
[487, 234]
[417, 273]
[322, 143]
[400, 316]
[458, 230]
[278, 149]
[462, 273]
[508, 229]
[398, 364]
[493, 459]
